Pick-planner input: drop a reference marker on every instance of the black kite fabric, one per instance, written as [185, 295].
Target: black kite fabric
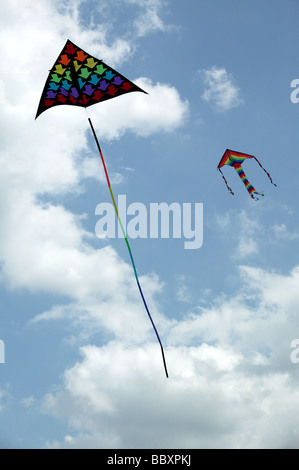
[79, 79]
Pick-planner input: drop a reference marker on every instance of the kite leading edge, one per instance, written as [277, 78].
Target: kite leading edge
[79, 79]
[234, 159]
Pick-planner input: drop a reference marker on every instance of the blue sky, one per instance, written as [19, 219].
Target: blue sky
[82, 366]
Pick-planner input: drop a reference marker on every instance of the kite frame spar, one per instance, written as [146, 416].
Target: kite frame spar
[76, 97]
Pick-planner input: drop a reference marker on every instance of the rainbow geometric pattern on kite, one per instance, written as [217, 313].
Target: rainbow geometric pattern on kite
[79, 79]
[232, 158]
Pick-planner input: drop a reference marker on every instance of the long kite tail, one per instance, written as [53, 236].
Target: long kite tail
[248, 186]
[268, 174]
[129, 248]
[230, 190]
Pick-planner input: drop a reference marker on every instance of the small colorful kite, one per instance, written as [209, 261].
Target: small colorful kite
[79, 79]
[235, 159]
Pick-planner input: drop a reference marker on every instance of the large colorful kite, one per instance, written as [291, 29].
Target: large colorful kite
[232, 158]
[79, 79]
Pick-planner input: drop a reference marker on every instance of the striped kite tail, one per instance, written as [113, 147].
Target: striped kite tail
[248, 186]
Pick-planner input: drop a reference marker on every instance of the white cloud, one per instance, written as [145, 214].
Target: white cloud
[246, 247]
[149, 20]
[182, 293]
[243, 230]
[248, 234]
[231, 385]
[161, 110]
[2, 92]
[281, 232]
[221, 89]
